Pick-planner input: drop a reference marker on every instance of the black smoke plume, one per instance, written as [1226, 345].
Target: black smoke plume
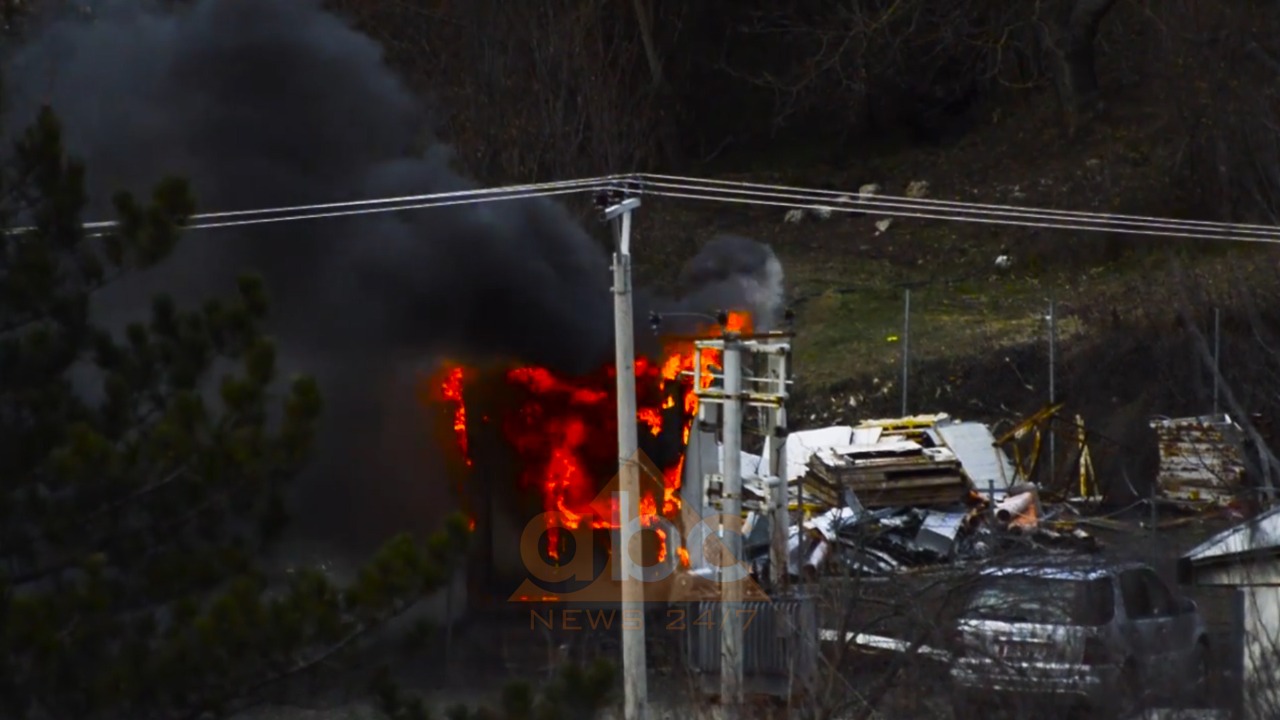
[269, 103]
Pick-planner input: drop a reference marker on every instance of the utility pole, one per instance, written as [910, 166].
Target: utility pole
[731, 690]
[1217, 356]
[906, 345]
[1053, 391]
[775, 463]
[634, 665]
[738, 392]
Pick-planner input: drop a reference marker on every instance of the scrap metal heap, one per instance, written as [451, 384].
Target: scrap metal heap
[888, 495]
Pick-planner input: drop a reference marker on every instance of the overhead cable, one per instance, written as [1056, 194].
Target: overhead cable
[828, 195]
[435, 203]
[372, 206]
[889, 206]
[752, 194]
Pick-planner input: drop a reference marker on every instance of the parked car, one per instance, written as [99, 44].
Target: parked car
[1099, 639]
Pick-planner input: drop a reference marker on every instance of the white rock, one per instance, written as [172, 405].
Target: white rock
[794, 215]
[883, 225]
[869, 189]
[917, 189]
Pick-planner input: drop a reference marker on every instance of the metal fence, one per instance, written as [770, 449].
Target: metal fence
[780, 645]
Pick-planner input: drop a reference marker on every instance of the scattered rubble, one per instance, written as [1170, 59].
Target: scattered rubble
[821, 212]
[887, 495]
[917, 189]
[849, 541]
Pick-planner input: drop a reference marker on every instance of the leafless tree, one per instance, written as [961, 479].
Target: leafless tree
[1070, 41]
[1227, 78]
[889, 63]
[533, 91]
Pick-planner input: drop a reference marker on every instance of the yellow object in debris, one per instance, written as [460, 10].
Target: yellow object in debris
[1088, 480]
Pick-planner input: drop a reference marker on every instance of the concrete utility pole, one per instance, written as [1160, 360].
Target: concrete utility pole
[775, 463]
[1053, 386]
[634, 665]
[731, 690]
[1217, 356]
[906, 346]
[738, 392]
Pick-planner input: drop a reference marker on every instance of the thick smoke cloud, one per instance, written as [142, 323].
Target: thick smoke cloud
[274, 103]
[732, 269]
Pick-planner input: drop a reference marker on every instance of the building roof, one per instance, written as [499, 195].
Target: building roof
[1261, 534]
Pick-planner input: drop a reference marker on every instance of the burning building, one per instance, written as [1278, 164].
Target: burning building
[358, 301]
[530, 444]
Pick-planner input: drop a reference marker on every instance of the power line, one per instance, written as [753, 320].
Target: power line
[903, 201]
[779, 196]
[372, 211]
[745, 193]
[1032, 221]
[782, 196]
[507, 192]
[201, 221]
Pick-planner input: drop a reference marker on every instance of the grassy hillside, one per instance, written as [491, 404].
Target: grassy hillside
[979, 334]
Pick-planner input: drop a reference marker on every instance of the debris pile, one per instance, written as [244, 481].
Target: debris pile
[889, 495]
[919, 461]
[853, 541]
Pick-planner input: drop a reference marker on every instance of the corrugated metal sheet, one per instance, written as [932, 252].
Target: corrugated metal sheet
[780, 645]
[802, 444]
[1201, 458]
[986, 465]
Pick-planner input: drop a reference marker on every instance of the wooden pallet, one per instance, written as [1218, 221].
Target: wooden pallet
[894, 485]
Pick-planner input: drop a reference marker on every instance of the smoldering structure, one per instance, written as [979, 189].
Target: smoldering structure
[277, 103]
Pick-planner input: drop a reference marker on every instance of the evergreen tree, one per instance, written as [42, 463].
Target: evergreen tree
[134, 514]
[575, 693]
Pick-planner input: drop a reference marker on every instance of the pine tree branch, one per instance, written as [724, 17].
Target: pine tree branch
[250, 696]
[104, 545]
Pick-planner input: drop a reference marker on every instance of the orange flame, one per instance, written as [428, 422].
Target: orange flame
[679, 366]
[651, 417]
[451, 389]
[553, 432]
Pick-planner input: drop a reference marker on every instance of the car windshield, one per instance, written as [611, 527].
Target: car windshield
[1050, 601]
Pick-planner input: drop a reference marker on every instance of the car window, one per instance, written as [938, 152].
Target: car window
[1136, 596]
[1052, 601]
[1162, 602]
